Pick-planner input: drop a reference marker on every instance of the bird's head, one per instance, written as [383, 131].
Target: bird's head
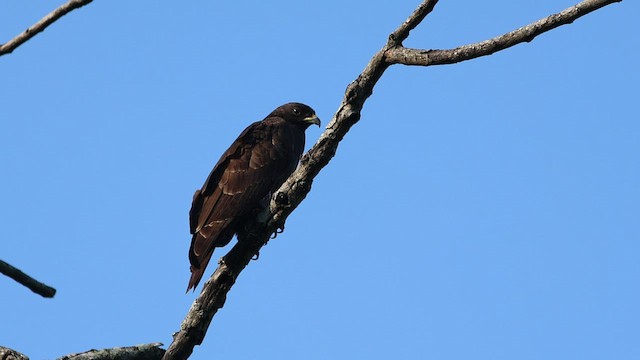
[297, 113]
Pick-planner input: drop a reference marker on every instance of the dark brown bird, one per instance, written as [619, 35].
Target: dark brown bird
[254, 166]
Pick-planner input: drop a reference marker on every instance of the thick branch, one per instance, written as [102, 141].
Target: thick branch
[295, 189]
[26, 280]
[56, 14]
[151, 351]
[401, 55]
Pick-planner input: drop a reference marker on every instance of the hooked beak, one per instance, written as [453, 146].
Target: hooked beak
[312, 120]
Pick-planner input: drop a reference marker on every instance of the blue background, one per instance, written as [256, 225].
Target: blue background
[483, 210]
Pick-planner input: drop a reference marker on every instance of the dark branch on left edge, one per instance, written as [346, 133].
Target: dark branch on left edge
[26, 280]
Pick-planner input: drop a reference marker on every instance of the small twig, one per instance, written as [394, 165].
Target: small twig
[26, 280]
[56, 14]
[151, 351]
[402, 32]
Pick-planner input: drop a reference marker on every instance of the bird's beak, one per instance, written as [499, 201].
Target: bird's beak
[312, 120]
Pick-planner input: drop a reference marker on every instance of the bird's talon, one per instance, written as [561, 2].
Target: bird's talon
[279, 230]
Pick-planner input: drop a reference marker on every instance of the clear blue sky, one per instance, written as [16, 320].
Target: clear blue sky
[484, 210]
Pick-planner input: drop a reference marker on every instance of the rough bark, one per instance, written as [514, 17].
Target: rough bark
[138, 352]
[151, 351]
[10, 354]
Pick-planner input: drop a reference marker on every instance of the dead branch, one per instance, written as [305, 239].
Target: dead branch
[49, 19]
[420, 57]
[151, 351]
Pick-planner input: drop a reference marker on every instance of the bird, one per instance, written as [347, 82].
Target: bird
[255, 165]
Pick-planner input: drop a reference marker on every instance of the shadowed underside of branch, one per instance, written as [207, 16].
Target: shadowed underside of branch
[295, 189]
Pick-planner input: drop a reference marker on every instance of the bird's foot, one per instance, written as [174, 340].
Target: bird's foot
[279, 230]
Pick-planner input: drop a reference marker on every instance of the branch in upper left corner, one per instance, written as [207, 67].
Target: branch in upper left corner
[49, 19]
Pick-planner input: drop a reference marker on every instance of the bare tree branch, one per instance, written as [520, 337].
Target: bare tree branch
[10, 354]
[56, 14]
[407, 56]
[298, 185]
[26, 280]
[151, 351]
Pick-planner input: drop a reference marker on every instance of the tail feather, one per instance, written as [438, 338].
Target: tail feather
[202, 248]
[196, 276]
[198, 262]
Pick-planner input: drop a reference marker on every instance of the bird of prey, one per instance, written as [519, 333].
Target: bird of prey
[254, 166]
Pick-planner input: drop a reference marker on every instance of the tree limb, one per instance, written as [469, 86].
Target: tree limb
[10, 354]
[298, 185]
[151, 351]
[420, 57]
[26, 280]
[49, 19]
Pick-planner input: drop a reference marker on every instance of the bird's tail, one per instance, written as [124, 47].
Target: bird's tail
[202, 245]
[198, 263]
[196, 276]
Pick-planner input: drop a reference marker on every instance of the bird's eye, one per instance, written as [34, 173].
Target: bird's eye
[296, 111]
